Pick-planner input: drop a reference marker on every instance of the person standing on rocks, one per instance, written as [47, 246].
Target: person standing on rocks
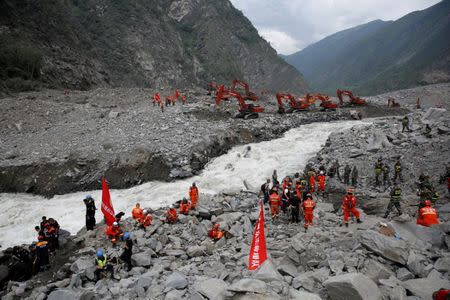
[127, 251]
[321, 180]
[265, 188]
[386, 181]
[274, 203]
[354, 176]
[312, 182]
[303, 186]
[193, 194]
[294, 203]
[347, 171]
[90, 212]
[398, 171]
[378, 171]
[405, 124]
[396, 194]
[308, 211]
[137, 212]
[349, 206]
[428, 215]
[42, 259]
[334, 170]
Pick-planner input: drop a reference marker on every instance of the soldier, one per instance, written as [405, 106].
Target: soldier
[405, 124]
[334, 170]
[378, 170]
[398, 171]
[395, 201]
[354, 176]
[386, 170]
[347, 171]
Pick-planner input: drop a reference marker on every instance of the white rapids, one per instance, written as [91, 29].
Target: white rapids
[226, 173]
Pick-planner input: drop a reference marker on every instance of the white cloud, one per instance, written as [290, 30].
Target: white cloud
[294, 24]
[280, 41]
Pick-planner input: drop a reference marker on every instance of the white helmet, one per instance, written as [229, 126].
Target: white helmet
[145, 212]
[286, 191]
[171, 206]
[115, 224]
[321, 172]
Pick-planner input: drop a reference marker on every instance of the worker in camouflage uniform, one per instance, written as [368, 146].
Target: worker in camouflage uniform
[405, 124]
[354, 176]
[378, 171]
[396, 194]
[386, 170]
[347, 171]
[398, 171]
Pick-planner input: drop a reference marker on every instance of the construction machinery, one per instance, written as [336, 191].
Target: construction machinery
[353, 99]
[247, 94]
[325, 101]
[246, 110]
[295, 105]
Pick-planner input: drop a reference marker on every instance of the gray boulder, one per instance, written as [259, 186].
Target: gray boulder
[212, 288]
[304, 281]
[404, 274]
[387, 247]
[267, 272]
[443, 264]
[418, 235]
[63, 294]
[376, 271]
[352, 286]
[433, 114]
[302, 295]
[425, 287]
[195, 251]
[176, 280]
[418, 264]
[249, 285]
[141, 259]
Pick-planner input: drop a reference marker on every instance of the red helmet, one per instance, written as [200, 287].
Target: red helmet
[427, 203]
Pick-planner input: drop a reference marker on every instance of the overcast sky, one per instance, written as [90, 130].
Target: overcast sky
[291, 25]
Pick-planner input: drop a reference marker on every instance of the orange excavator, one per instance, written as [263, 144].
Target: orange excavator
[325, 101]
[246, 110]
[295, 105]
[248, 95]
[353, 99]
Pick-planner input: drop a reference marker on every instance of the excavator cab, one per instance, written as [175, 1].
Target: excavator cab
[294, 104]
[246, 110]
[353, 99]
[247, 95]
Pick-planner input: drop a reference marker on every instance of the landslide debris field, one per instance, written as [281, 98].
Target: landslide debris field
[55, 143]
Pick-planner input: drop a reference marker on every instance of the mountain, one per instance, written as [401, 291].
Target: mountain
[141, 43]
[381, 56]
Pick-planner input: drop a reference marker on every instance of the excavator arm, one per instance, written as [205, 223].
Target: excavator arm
[353, 99]
[292, 101]
[248, 95]
[246, 111]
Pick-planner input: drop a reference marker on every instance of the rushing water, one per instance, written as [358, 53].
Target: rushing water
[226, 173]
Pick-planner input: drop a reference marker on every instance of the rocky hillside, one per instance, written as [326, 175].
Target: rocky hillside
[81, 44]
[381, 56]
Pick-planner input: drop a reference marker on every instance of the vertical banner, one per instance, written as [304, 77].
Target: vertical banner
[107, 208]
[258, 251]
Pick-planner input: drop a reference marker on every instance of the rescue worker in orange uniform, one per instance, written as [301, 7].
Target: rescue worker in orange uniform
[137, 212]
[312, 183]
[114, 232]
[193, 194]
[321, 179]
[171, 215]
[184, 206]
[308, 210]
[216, 234]
[275, 203]
[156, 99]
[183, 99]
[145, 220]
[349, 206]
[427, 215]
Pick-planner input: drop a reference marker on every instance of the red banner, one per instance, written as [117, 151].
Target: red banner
[258, 251]
[107, 208]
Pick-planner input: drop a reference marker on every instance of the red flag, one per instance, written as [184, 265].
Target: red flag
[258, 251]
[107, 208]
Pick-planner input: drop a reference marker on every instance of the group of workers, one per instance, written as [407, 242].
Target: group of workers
[47, 242]
[170, 100]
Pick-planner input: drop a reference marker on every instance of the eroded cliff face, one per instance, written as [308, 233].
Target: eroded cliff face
[143, 43]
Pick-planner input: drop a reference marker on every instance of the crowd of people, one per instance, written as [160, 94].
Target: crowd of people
[170, 100]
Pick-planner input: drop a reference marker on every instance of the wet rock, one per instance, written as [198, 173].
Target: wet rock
[387, 247]
[249, 285]
[424, 287]
[176, 280]
[352, 286]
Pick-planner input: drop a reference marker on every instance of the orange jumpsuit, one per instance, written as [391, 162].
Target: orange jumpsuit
[349, 206]
[184, 208]
[136, 213]
[113, 232]
[312, 184]
[145, 220]
[321, 179]
[427, 216]
[156, 99]
[172, 216]
[308, 211]
[216, 233]
[275, 203]
[193, 194]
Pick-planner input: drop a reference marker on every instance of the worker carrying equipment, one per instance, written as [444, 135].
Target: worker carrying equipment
[349, 206]
[428, 215]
